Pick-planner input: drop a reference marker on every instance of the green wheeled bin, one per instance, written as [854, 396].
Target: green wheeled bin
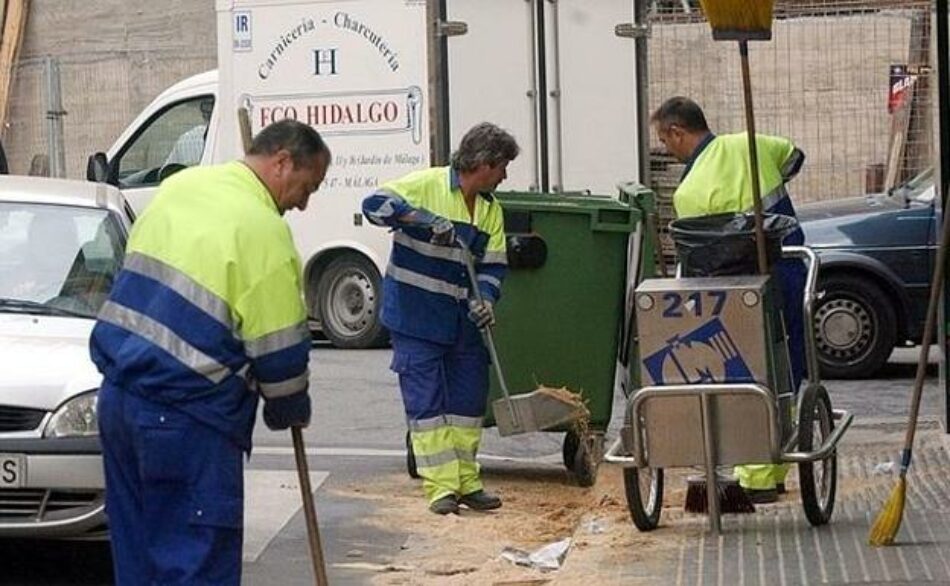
[561, 320]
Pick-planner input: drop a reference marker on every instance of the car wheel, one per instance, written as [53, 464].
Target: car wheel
[855, 327]
[349, 297]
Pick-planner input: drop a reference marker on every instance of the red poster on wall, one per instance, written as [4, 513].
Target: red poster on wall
[902, 82]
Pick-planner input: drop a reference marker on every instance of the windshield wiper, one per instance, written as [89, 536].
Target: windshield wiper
[28, 306]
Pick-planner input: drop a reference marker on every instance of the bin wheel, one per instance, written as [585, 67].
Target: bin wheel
[644, 489]
[582, 454]
[819, 479]
[411, 458]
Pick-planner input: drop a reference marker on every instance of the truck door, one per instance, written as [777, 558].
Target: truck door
[555, 75]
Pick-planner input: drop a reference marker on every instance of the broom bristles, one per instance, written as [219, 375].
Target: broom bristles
[737, 19]
[888, 521]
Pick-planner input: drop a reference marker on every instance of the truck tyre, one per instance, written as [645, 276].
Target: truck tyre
[349, 298]
[855, 327]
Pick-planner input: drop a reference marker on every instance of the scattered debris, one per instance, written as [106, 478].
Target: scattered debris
[884, 468]
[381, 568]
[594, 526]
[449, 569]
[549, 557]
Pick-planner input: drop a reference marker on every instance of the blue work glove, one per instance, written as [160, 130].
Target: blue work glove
[283, 412]
[481, 313]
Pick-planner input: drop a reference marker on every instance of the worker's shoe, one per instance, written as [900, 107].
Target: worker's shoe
[762, 496]
[480, 501]
[447, 505]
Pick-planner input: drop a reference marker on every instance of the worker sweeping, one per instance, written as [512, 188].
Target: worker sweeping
[434, 319]
[717, 179]
[207, 308]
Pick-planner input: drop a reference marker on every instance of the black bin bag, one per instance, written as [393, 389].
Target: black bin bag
[724, 244]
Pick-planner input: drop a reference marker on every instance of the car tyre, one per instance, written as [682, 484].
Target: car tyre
[855, 326]
[349, 299]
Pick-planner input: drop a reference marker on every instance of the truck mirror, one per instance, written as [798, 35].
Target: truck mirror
[97, 168]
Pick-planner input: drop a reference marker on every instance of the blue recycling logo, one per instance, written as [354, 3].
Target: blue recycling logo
[706, 355]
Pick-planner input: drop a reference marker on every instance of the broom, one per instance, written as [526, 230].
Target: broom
[742, 21]
[888, 520]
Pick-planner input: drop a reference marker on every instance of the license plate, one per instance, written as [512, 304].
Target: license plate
[12, 470]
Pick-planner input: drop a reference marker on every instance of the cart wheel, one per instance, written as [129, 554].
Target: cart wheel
[411, 458]
[818, 479]
[582, 455]
[644, 488]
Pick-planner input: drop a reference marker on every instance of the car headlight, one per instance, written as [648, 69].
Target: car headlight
[75, 418]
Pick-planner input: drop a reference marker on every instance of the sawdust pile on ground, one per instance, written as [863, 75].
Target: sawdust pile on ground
[541, 506]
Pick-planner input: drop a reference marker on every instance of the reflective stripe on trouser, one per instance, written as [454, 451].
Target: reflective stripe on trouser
[445, 391]
[761, 476]
[445, 459]
[174, 494]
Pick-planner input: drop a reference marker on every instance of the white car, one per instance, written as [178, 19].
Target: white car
[61, 244]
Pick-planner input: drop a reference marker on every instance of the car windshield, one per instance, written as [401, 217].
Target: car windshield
[57, 259]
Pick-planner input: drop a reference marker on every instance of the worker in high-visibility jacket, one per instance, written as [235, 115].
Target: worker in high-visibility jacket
[206, 311]
[717, 179]
[433, 317]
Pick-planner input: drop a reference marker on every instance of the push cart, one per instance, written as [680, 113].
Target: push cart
[713, 353]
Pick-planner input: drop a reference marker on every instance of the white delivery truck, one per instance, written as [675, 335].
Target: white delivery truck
[391, 84]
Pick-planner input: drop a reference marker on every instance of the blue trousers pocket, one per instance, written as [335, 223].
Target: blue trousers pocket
[165, 446]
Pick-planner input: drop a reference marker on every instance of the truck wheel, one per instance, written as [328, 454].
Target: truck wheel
[349, 297]
[855, 327]
[819, 480]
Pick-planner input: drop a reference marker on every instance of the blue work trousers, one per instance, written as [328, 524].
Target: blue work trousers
[174, 494]
[791, 276]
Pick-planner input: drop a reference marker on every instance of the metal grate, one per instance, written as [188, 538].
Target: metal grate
[20, 419]
[35, 505]
[824, 80]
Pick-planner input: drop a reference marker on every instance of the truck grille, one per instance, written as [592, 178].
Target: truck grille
[39, 504]
[20, 419]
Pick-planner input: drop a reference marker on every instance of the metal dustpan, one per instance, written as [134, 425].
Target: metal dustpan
[541, 409]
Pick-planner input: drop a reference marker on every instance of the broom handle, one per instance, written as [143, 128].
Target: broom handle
[753, 159]
[300, 452]
[935, 288]
[310, 513]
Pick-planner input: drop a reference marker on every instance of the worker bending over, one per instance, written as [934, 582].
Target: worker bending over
[206, 311]
[432, 315]
[718, 180]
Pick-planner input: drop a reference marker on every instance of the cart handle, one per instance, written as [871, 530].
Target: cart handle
[808, 306]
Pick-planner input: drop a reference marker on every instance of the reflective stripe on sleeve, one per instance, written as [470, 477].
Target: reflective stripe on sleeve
[161, 336]
[180, 283]
[276, 341]
[426, 283]
[428, 249]
[286, 387]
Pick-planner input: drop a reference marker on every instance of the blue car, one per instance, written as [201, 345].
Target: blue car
[877, 254]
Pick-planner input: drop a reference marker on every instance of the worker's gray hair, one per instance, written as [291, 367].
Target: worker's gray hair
[484, 144]
[300, 140]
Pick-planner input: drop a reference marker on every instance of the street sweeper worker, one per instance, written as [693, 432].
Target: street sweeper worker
[433, 318]
[205, 318]
[717, 179]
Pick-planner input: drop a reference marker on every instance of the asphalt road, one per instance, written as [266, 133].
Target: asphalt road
[358, 432]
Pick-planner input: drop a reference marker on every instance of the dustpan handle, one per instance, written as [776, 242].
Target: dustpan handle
[486, 331]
